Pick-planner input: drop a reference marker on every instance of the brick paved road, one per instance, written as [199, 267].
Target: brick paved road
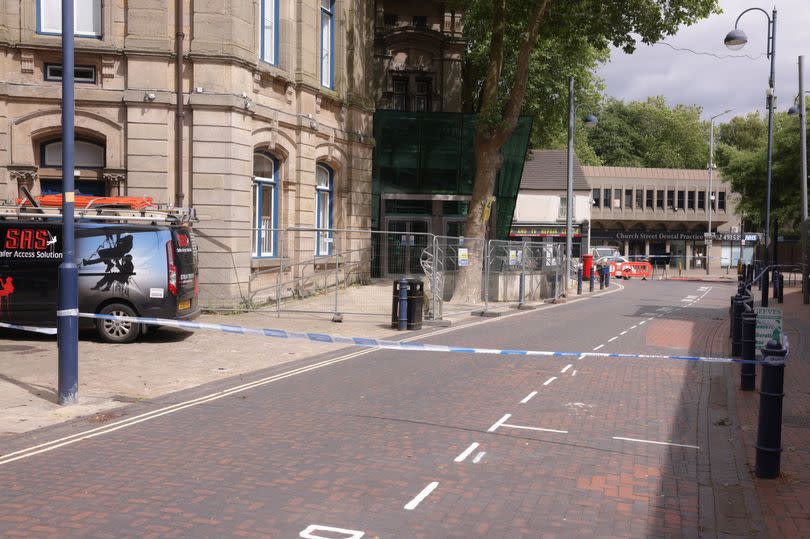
[352, 444]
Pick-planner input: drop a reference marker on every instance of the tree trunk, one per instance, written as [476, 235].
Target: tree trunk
[468, 289]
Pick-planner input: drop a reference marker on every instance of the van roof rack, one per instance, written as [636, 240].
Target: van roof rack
[104, 212]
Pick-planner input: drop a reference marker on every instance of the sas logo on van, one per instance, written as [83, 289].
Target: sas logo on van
[30, 243]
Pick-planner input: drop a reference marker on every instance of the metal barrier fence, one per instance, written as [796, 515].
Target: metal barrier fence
[351, 271]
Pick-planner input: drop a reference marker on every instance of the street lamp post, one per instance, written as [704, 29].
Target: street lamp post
[735, 40]
[590, 120]
[800, 110]
[709, 236]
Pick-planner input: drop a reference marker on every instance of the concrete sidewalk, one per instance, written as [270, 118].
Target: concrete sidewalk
[785, 501]
[169, 359]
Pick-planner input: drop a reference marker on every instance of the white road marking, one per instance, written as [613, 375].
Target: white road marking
[598, 347]
[623, 333]
[612, 339]
[499, 422]
[411, 505]
[566, 367]
[307, 532]
[547, 382]
[650, 318]
[478, 457]
[534, 428]
[643, 322]
[466, 452]
[634, 327]
[581, 356]
[654, 442]
[574, 372]
[528, 397]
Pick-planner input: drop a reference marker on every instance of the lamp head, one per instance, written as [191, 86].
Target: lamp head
[736, 39]
[590, 120]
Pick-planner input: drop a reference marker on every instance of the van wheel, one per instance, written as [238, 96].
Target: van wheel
[116, 331]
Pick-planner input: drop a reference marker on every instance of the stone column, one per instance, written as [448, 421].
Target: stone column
[646, 247]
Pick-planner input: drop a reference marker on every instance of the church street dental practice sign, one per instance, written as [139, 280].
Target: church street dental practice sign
[663, 236]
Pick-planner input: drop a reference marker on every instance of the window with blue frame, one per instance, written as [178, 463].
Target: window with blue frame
[87, 155]
[269, 18]
[265, 205]
[327, 42]
[86, 17]
[324, 190]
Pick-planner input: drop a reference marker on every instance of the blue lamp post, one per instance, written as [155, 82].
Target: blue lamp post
[67, 310]
[735, 40]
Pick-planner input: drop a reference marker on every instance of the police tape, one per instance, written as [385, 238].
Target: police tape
[326, 338]
[33, 329]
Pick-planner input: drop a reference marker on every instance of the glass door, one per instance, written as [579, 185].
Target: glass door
[405, 240]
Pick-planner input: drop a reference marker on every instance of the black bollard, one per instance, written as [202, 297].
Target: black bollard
[759, 276]
[771, 392]
[736, 331]
[775, 280]
[731, 316]
[593, 271]
[601, 278]
[748, 374]
[579, 281]
[780, 282]
[764, 286]
[607, 276]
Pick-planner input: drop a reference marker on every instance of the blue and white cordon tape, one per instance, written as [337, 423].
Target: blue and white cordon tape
[326, 338]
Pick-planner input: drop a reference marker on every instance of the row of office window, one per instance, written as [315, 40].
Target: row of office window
[87, 23]
[656, 199]
[266, 206]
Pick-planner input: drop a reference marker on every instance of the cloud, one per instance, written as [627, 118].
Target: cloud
[716, 84]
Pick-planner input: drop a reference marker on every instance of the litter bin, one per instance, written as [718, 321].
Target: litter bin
[416, 300]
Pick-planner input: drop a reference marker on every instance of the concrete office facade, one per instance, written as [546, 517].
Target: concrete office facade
[274, 120]
[665, 212]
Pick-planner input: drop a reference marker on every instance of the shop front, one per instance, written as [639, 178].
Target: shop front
[552, 234]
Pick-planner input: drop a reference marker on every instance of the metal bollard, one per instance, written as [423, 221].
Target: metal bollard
[579, 281]
[774, 281]
[764, 286]
[593, 272]
[402, 319]
[780, 287]
[736, 331]
[748, 374]
[771, 392]
[731, 316]
[601, 278]
[521, 288]
[607, 277]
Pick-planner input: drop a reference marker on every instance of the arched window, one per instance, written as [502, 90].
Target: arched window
[324, 183]
[265, 205]
[87, 156]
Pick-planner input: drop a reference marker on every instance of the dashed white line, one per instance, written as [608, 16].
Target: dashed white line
[634, 327]
[581, 356]
[566, 367]
[466, 453]
[623, 333]
[478, 457]
[654, 442]
[642, 322]
[612, 339]
[528, 397]
[574, 372]
[598, 347]
[650, 318]
[411, 505]
[499, 422]
[547, 382]
[534, 428]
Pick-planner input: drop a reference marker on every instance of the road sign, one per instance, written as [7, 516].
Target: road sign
[769, 326]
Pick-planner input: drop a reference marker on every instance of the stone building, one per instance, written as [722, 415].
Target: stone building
[665, 213]
[258, 114]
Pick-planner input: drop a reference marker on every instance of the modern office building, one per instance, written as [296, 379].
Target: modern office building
[665, 213]
[258, 114]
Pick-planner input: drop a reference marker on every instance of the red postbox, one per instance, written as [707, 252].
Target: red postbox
[587, 263]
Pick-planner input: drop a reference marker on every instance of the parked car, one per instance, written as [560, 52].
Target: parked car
[125, 269]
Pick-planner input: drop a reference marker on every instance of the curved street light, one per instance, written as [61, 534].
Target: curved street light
[735, 40]
[590, 121]
[710, 204]
[799, 109]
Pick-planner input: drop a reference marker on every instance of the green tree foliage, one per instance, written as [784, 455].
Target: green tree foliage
[742, 160]
[650, 134]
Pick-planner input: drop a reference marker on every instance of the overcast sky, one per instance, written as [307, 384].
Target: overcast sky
[713, 83]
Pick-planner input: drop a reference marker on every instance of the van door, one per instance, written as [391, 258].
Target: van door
[30, 255]
[185, 251]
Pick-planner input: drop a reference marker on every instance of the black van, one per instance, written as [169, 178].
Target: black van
[125, 269]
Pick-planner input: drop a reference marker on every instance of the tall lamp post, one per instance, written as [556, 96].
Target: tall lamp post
[590, 121]
[735, 40]
[709, 235]
[800, 110]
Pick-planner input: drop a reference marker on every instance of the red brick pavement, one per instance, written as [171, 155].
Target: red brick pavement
[786, 500]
